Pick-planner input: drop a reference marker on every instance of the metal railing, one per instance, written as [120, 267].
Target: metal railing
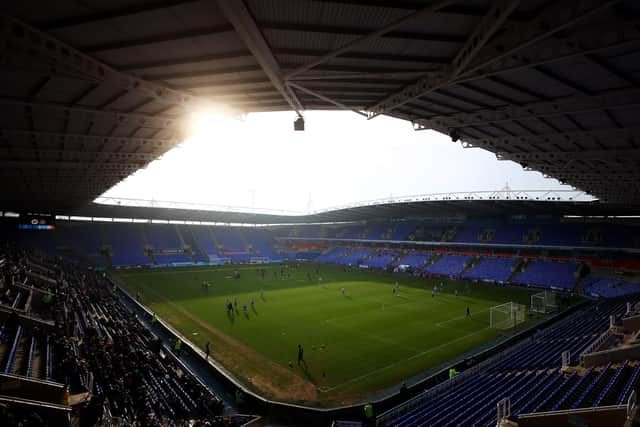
[595, 344]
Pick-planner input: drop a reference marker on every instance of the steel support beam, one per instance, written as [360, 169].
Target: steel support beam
[324, 98]
[325, 76]
[594, 39]
[612, 155]
[559, 16]
[80, 156]
[240, 17]
[559, 139]
[6, 134]
[68, 165]
[138, 119]
[115, 13]
[165, 37]
[26, 47]
[190, 60]
[372, 36]
[608, 178]
[210, 72]
[353, 31]
[489, 25]
[612, 99]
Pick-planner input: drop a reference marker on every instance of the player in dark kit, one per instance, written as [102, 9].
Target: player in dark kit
[300, 354]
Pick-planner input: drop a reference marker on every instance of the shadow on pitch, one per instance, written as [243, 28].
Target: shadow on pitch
[307, 374]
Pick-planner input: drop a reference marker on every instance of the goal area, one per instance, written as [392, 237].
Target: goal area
[507, 315]
[543, 302]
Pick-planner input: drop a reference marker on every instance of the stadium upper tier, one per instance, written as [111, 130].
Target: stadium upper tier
[544, 234]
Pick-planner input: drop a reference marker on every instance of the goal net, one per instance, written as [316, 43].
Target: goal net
[543, 302]
[507, 315]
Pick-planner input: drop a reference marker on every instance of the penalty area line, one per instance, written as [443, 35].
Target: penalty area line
[460, 317]
[415, 356]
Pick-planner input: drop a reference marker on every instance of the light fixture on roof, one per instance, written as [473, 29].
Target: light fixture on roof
[298, 124]
[454, 134]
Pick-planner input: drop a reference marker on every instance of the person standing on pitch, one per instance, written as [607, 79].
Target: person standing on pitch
[207, 350]
[300, 354]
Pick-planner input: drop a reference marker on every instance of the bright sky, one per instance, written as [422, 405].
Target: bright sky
[340, 158]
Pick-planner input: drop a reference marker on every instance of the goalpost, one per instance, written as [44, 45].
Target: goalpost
[543, 302]
[507, 315]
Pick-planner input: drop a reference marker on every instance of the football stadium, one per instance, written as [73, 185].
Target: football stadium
[294, 213]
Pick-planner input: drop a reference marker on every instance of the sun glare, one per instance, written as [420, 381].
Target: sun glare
[209, 125]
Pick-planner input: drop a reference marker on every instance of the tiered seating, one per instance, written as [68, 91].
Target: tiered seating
[402, 229]
[415, 260]
[162, 236]
[85, 238]
[511, 233]
[351, 232]
[381, 260]
[333, 256]
[377, 231]
[230, 239]
[469, 234]
[354, 257]
[172, 258]
[609, 287]
[260, 240]
[428, 233]
[302, 256]
[126, 244]
[196, 249]
[562, 234]
[301, 231]
[448, 265]
[95, 333]
[498, 269]
[233, 245]
[529, 376]
[205, 240]
[560, 275]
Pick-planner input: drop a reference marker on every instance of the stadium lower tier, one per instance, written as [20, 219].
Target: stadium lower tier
[528, 391]
[66, 336]
[530, 376]
[65, 324]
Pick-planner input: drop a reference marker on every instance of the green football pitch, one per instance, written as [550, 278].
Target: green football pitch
[355, 344]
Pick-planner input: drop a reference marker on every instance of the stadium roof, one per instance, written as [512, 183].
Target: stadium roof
[464, 208]
[92, 91]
